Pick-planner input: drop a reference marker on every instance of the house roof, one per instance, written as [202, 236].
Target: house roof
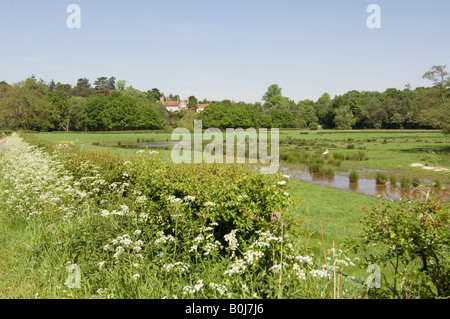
[202, 106]
[172, 103]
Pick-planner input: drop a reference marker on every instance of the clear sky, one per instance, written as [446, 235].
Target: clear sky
[227, 49]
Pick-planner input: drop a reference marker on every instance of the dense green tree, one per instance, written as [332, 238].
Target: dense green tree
[154, 95]
[25, 106]
[118, 112]
[93, 111]
[436, 107]
[282, 119]
[376, 114]
[272, 91]
[440, 78]
[187, 119]
[121, 85]
[132, 92]
[67, 88]
[82, 88]
[192, 103]
[101, 83]
[111, 84]
[51, 86]
[323, 107]
[309, 114]
[344, 119]
[277, 101]
[146, 117]
[62, 106]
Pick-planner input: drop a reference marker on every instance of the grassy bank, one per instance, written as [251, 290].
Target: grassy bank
[139, 226]
[143, 228]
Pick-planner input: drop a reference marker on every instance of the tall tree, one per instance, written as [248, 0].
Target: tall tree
[51, 86]
[67, 88]
[121, 85]
[25, 106]
[192, 103]
[440, 78]
[62, 115]
[344, 119]
[101, 83]
[83, 88]
[272, 91]
[111, 84]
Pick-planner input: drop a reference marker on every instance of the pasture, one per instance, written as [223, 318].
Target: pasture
[226, 199]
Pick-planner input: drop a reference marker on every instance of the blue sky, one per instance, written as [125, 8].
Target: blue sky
[227, 49]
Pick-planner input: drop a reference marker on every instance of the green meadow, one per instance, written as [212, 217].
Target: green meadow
[111, 176]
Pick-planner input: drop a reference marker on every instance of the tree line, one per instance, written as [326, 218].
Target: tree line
[110, 105]
[421, 108]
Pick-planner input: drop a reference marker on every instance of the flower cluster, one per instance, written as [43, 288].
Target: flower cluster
[32, 173]
[124, 244]
[163, 239]
[178, 266]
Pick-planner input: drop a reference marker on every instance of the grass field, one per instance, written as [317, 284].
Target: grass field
[323, 216]
[364, 151]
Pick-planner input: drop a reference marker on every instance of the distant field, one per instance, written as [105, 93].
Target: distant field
[389, 150]
[392, 150]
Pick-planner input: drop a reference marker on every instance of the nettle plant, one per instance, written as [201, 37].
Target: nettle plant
[413, 238]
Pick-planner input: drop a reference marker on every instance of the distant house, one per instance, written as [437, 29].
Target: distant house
[201, 107]
[173, 106]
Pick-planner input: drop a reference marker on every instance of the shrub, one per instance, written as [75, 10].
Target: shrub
[416, 238]
[353, 177]
[393, 179]
[405, 182]
[313, 126]
[381, 178]
[315, 168]
[328, 171]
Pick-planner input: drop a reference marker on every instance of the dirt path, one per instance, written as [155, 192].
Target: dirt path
[2, 143]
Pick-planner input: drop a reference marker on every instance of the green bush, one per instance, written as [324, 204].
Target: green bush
[405, 182]
[313, 126]
[415, 237]
[353, 177]
[328, 171]
[393, 179]
[380, 178]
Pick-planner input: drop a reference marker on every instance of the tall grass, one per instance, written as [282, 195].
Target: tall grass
[353, 177]
[381, 178]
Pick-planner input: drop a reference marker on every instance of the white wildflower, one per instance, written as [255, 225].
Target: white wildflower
[189, 198]
[210, 204]
[221, 289]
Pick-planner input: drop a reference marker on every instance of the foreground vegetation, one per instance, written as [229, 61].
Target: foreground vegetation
[137, 229]
[141, 227]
